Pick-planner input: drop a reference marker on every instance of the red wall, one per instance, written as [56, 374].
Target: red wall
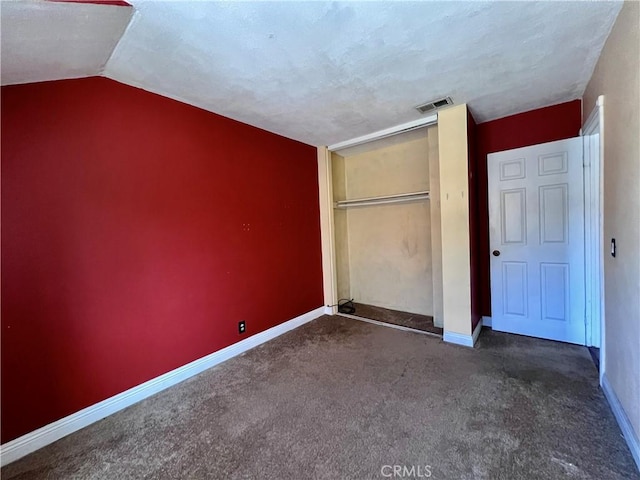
[136, 232]
[537, 126]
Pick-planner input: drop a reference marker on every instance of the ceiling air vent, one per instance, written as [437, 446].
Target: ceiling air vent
[436, 104]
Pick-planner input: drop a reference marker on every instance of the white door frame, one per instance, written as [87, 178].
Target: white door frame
[594, 240]
[325, 190]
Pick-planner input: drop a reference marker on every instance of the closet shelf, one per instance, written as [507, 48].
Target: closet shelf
[385, 199]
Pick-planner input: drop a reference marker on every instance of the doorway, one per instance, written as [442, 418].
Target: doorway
[537, 238]
[591, 141]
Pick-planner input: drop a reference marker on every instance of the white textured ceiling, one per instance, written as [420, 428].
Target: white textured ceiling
[326, 72]
[49, 41]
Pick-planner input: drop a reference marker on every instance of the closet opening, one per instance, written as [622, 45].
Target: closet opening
[386, 228]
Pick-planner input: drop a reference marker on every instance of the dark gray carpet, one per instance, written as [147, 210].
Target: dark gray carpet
[396, 317]
[339, 399]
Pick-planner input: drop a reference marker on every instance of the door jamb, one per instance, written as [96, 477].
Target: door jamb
[594, 257]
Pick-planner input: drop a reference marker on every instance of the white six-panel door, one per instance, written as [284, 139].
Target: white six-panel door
[536, 223]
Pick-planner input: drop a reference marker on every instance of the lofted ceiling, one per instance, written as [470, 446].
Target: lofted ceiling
[50, 41]
[317, 72]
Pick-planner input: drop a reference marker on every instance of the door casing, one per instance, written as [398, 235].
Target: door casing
[594, 208]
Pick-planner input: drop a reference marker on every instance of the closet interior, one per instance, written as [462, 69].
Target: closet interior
[386, 225]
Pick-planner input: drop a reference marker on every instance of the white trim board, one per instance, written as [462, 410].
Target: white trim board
[486, 322]
[387, 132]
[623, 420]
[327, 238]
[389, 325]
[593, 133]
[464, 340]
[18, 448]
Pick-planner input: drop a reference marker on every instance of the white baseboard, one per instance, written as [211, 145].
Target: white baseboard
[461, 339]
[486, 322]
[477, 330]
[625, 425]
[329, 311]
[43, 436]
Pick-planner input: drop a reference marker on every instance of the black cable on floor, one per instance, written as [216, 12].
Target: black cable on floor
[346, 306]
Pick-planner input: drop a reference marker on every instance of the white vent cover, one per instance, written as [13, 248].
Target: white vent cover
[434, 105]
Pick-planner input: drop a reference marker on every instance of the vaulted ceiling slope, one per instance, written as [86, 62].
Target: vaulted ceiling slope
[50, 41]
[314, 71]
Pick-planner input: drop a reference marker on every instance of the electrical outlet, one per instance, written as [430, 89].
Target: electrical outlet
[242, 327]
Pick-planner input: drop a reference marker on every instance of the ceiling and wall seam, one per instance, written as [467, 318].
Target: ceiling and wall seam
[318, 72]
[341, 70]
[43, 41]
[133, 18]
[589, 73]
[518, 112]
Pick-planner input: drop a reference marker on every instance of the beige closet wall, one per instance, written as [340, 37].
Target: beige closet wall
[454, 203]
[387, 247]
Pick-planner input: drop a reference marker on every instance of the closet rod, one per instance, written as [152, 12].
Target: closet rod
[385, 199]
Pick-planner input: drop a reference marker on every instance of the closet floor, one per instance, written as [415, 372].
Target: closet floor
[395, 317]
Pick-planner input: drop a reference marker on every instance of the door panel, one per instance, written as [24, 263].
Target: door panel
[513, 224]
[553, 213]
[554, 285]
[514, 288]
[537, 240]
